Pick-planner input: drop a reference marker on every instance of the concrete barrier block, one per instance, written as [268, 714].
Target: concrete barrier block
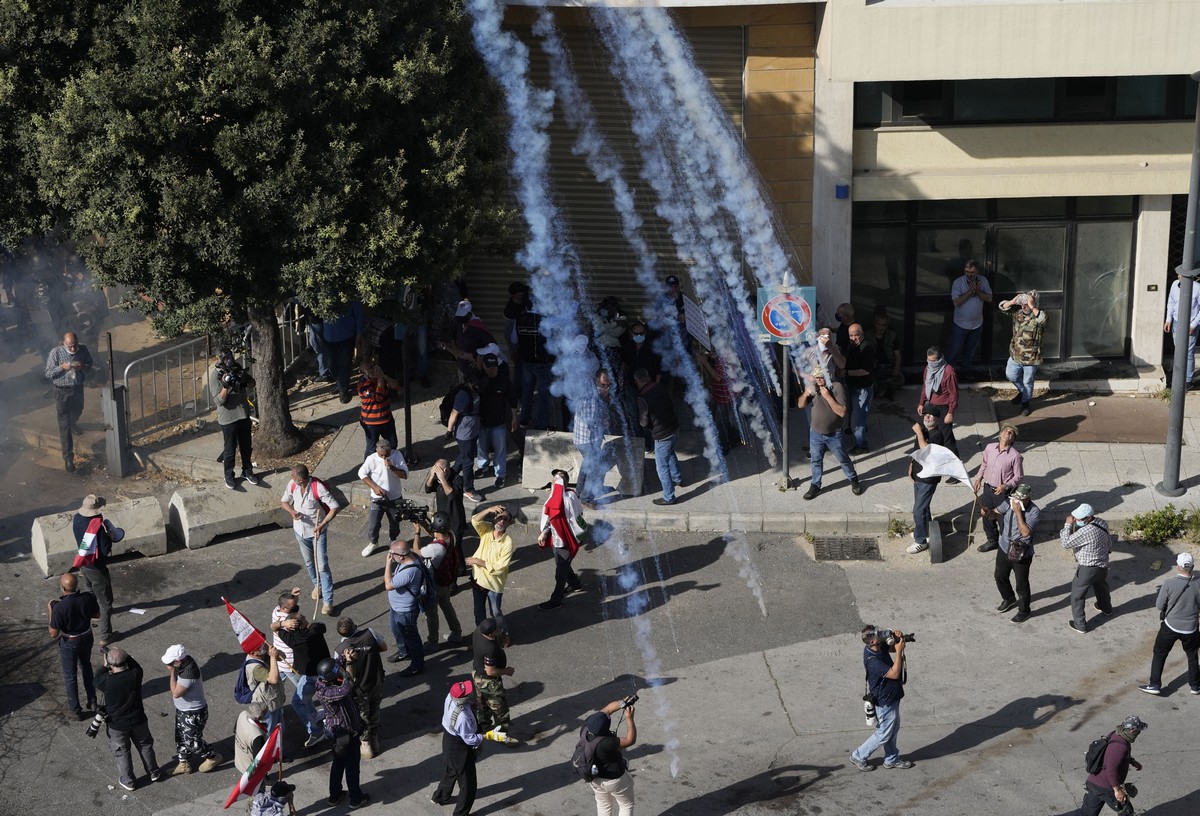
[545, 451]
[53, 543]
[785, 522]
[197, 515]
[623, 519]
[709, 522]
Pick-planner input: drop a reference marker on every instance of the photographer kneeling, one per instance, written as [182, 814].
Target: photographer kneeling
[120, 681]
[885, 686]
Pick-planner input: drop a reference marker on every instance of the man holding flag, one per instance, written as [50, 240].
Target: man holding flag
[562, 524]
[936, 456]
[95, 536]
[257, 770]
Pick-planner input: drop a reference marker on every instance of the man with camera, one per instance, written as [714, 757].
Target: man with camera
[1017, 520]
[403, 578]
[611, 782]
[1108, 786]
[885, 688]
[358, 655]
[71, 617]
[124, 715]
[227, 384]
[382, 472]
[1025, 348]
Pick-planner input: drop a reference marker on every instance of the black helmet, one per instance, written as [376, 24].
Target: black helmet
[329, 671]
[440, 522]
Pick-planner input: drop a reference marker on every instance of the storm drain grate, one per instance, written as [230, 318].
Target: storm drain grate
[846, 548]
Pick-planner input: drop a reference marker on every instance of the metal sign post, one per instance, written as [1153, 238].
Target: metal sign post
[785, 319]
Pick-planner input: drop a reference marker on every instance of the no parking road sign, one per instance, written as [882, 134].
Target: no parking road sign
[787, 318]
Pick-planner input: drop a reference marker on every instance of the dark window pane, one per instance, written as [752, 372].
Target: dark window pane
[968, 210]
[869, 98]
[876, 269]
[1003, 100]
[1106, 205]
[1141, 97]
[1189, 98]
[880, 211]
[941, 255]
[923, 100]
[1083, 96]
[1031, 207]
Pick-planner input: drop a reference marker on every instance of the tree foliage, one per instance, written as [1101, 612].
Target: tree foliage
[219, 157]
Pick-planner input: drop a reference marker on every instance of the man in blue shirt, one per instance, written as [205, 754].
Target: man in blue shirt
[402, 578]
[1017, 519]
[884, 683]
[66, 367]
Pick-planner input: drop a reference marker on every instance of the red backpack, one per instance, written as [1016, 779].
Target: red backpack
[313, 481]
[446, 573]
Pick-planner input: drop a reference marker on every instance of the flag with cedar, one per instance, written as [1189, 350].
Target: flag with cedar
[268, 755]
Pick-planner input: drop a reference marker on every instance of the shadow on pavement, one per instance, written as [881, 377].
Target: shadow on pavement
[1018, 714]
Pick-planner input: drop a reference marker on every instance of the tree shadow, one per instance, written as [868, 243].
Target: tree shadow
[772, 784]
[1017, 714]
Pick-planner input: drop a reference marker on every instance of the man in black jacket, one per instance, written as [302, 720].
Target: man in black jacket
[656, 413]
[120, 681]
[358, 654]
[930, 431]
[307, 642]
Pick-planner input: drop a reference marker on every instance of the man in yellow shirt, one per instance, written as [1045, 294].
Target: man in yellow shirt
[489, 564]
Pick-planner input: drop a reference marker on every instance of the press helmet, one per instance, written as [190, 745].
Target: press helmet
[329, 671]
[440, 523]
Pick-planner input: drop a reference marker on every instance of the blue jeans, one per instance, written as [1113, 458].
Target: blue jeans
[667, 465]
[885, 735]
[860, 407]
[818, 443]
[591, 471]
[466, 462]
[317, 343]
[341, 357]
[963, 344]
[1191, 358]
[404, 629]
[485, 598]
[922, 498]
[322, 563]
[72, 653]
[1022, 377]
[302, 699]
[493, 440]
[535, 374]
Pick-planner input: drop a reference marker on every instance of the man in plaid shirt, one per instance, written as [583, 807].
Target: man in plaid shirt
[1088, 536]
[591, 423]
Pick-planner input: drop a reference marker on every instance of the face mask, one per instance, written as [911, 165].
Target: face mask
[1079, 524]
[639, 338]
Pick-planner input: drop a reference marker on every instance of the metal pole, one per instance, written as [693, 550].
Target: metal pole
[785, 372]
[1187, 271]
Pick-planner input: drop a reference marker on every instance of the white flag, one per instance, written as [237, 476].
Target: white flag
[938, 461]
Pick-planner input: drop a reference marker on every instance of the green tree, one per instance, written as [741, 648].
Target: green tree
[220, 157]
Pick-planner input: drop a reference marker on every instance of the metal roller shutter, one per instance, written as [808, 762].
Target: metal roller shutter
[588, 205]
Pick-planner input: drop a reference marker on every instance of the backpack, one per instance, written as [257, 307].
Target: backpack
[446, 573]
[313, 481]
[1094, 758]
[583, 761]
[447, 406]
[341, 713]
[427, 595]
[243, 692]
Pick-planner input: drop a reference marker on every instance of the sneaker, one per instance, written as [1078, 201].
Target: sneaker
[553, 603]
[334, 798]
[411, 671]
[438, 801]
[354, 805]
[1195, 689]
[1082, 631]
[862, 765]
[813, 492]
[369, 550]
[919, 546]
[182, 768]
[856, 487]
[473, 496]
[1101, 611]
[1020, 617]
[251, 479]
[326, 609]
[365, 751]
[230, 482]
[1025, 409]
[344, 397]
[156, 774]
[316, 593]
[663, 502]
[211, 762]
[314, 740]
[126, 785]
[483, 471]
[902, 765]
[499, 483]
[1157, 690]
[1007, 605]
[988, 546]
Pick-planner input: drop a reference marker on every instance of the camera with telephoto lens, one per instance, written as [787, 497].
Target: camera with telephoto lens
[888, 637]
[93, 728]
[233, 377]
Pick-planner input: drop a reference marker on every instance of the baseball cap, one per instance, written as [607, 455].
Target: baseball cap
[1083, 511]
[1185, 560]
[463, 309]
[672, 280]
[176, 652]
[1022, 491]
[488, 626]
[282, 788]
[1010, 427]
[1134, 723]
[461, 689]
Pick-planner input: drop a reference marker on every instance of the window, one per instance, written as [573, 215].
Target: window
[1003, 100]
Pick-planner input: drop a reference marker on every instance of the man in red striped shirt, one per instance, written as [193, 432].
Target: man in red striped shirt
[375, 392]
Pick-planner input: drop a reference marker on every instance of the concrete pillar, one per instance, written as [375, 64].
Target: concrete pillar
[832, 168]
[1150, 270]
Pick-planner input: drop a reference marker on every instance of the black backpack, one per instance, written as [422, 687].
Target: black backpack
[447, 406]
[243, 692]
[583, 761]
[1094, 758]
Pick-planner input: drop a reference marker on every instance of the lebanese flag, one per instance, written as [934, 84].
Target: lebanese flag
[270, 753]
[250, 638]
[562, 517]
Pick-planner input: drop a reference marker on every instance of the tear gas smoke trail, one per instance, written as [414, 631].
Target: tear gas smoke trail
[738, 548]
[689, 213]
[607, 167]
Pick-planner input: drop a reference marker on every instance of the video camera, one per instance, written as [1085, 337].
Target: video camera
[409, 510]
[888, 637]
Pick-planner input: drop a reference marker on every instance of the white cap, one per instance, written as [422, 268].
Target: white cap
[1185, 560]
[1083, 511]
[464, 308]
[176, 652]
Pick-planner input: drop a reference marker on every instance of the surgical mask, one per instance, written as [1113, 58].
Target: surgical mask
[1079, 524]
[639, 338]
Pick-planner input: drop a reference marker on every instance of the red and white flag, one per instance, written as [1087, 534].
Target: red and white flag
[270, 753]
[249, 637]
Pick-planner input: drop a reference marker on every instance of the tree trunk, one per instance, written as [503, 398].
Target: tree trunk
[276, 435]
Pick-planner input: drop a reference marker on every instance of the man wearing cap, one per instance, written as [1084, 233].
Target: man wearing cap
[612, 784]
[120, 681]
[312, 507]
[470, 335]
[460, 745]
[1087, 535]
[383, 472]
[1107, 787]
[403, 578]
[95, 536]
[1017, 519]
[490, 668]
[191, 712]
[71, 617]
[1002, 470]
[497, 418]
[66, 367]
[358, 655]
[1178, 607]
[929, 431]
[445, 578]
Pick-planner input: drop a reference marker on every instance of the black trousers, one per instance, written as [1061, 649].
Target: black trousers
[1095, 798]
[460, 768]
[68, 403]
[1005, 568]
[564, 575]
[237, 437]
[989, 500]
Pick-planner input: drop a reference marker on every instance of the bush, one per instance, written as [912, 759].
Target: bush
[1160, 526]
[898, 528]
[1191, 527]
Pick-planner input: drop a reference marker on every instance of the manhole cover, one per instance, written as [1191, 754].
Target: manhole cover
[846, 548]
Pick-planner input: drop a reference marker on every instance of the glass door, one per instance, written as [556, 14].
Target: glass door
[1024, 258]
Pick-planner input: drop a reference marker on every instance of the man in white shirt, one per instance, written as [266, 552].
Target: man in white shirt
[382, 472]
[1193, 322]
[311, 506]
[968, 293]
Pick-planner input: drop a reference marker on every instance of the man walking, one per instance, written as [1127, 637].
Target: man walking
[1107, 786]
[1087, 535]
[490, 668]
[656, 413]
[828, 399]
[560, 528]
[1002, 470]
[441, 556]
[67, 366]
[460, 745]
[120, 681]
[463, 424]
[497, 417]
[71, 617]
[358, 655]
[929, 431]
[383, 473]
[1025, 348]
[860, 379]
[311, 506]
[1193, 322]
[95, 536]
[1017, 521]
[1178, 605]
[886, 687]
[968, 293]
[403, 579]
[191, 712]
[227, 384]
